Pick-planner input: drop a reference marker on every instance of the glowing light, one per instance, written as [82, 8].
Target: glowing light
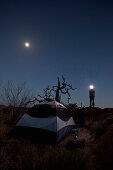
[27, 44]
[91, 87]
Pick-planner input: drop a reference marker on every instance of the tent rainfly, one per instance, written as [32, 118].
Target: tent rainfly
[48, 121]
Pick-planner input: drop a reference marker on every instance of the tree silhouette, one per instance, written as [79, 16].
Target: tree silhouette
[62, 87]
[47, 94]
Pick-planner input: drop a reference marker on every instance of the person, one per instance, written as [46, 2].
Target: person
[92, 96]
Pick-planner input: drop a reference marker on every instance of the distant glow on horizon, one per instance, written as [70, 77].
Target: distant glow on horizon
[91, 87]
[27, 44]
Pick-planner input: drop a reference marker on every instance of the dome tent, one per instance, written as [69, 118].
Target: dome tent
[48, 121]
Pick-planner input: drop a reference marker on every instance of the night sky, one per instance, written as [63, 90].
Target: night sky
[73, 38]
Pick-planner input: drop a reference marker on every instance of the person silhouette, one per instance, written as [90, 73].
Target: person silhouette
[91, 95]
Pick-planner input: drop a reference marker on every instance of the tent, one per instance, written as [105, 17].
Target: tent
[48, 121]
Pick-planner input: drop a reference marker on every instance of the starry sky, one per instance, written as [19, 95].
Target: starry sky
[73, 38]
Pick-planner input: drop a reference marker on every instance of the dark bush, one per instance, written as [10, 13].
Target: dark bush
[80, 118]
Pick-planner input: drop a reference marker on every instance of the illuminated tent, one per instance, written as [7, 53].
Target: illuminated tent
[48, 121]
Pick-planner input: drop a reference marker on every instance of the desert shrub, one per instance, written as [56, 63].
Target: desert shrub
[80, 119]
[5, 121]
[88, 124]
[104, 116]
[107, 110]
[4, 160]
[3, 129]
[51, 158]
[28, 157]
[72, 109]
[74, 145]
[70, 145]
[108, 121]
[97, 128]
[102, 150]
[66, 159]
[8, 119]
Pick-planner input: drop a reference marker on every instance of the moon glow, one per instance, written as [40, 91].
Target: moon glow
[27, 44]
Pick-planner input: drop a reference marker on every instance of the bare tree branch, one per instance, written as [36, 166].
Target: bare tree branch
[62, 88]
[15, 95]
[47, 94]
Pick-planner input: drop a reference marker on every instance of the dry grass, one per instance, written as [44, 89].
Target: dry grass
[23, 155]
[88, 124]
[20, 154]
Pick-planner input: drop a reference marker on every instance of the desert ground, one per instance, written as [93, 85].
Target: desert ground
[91, 150]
